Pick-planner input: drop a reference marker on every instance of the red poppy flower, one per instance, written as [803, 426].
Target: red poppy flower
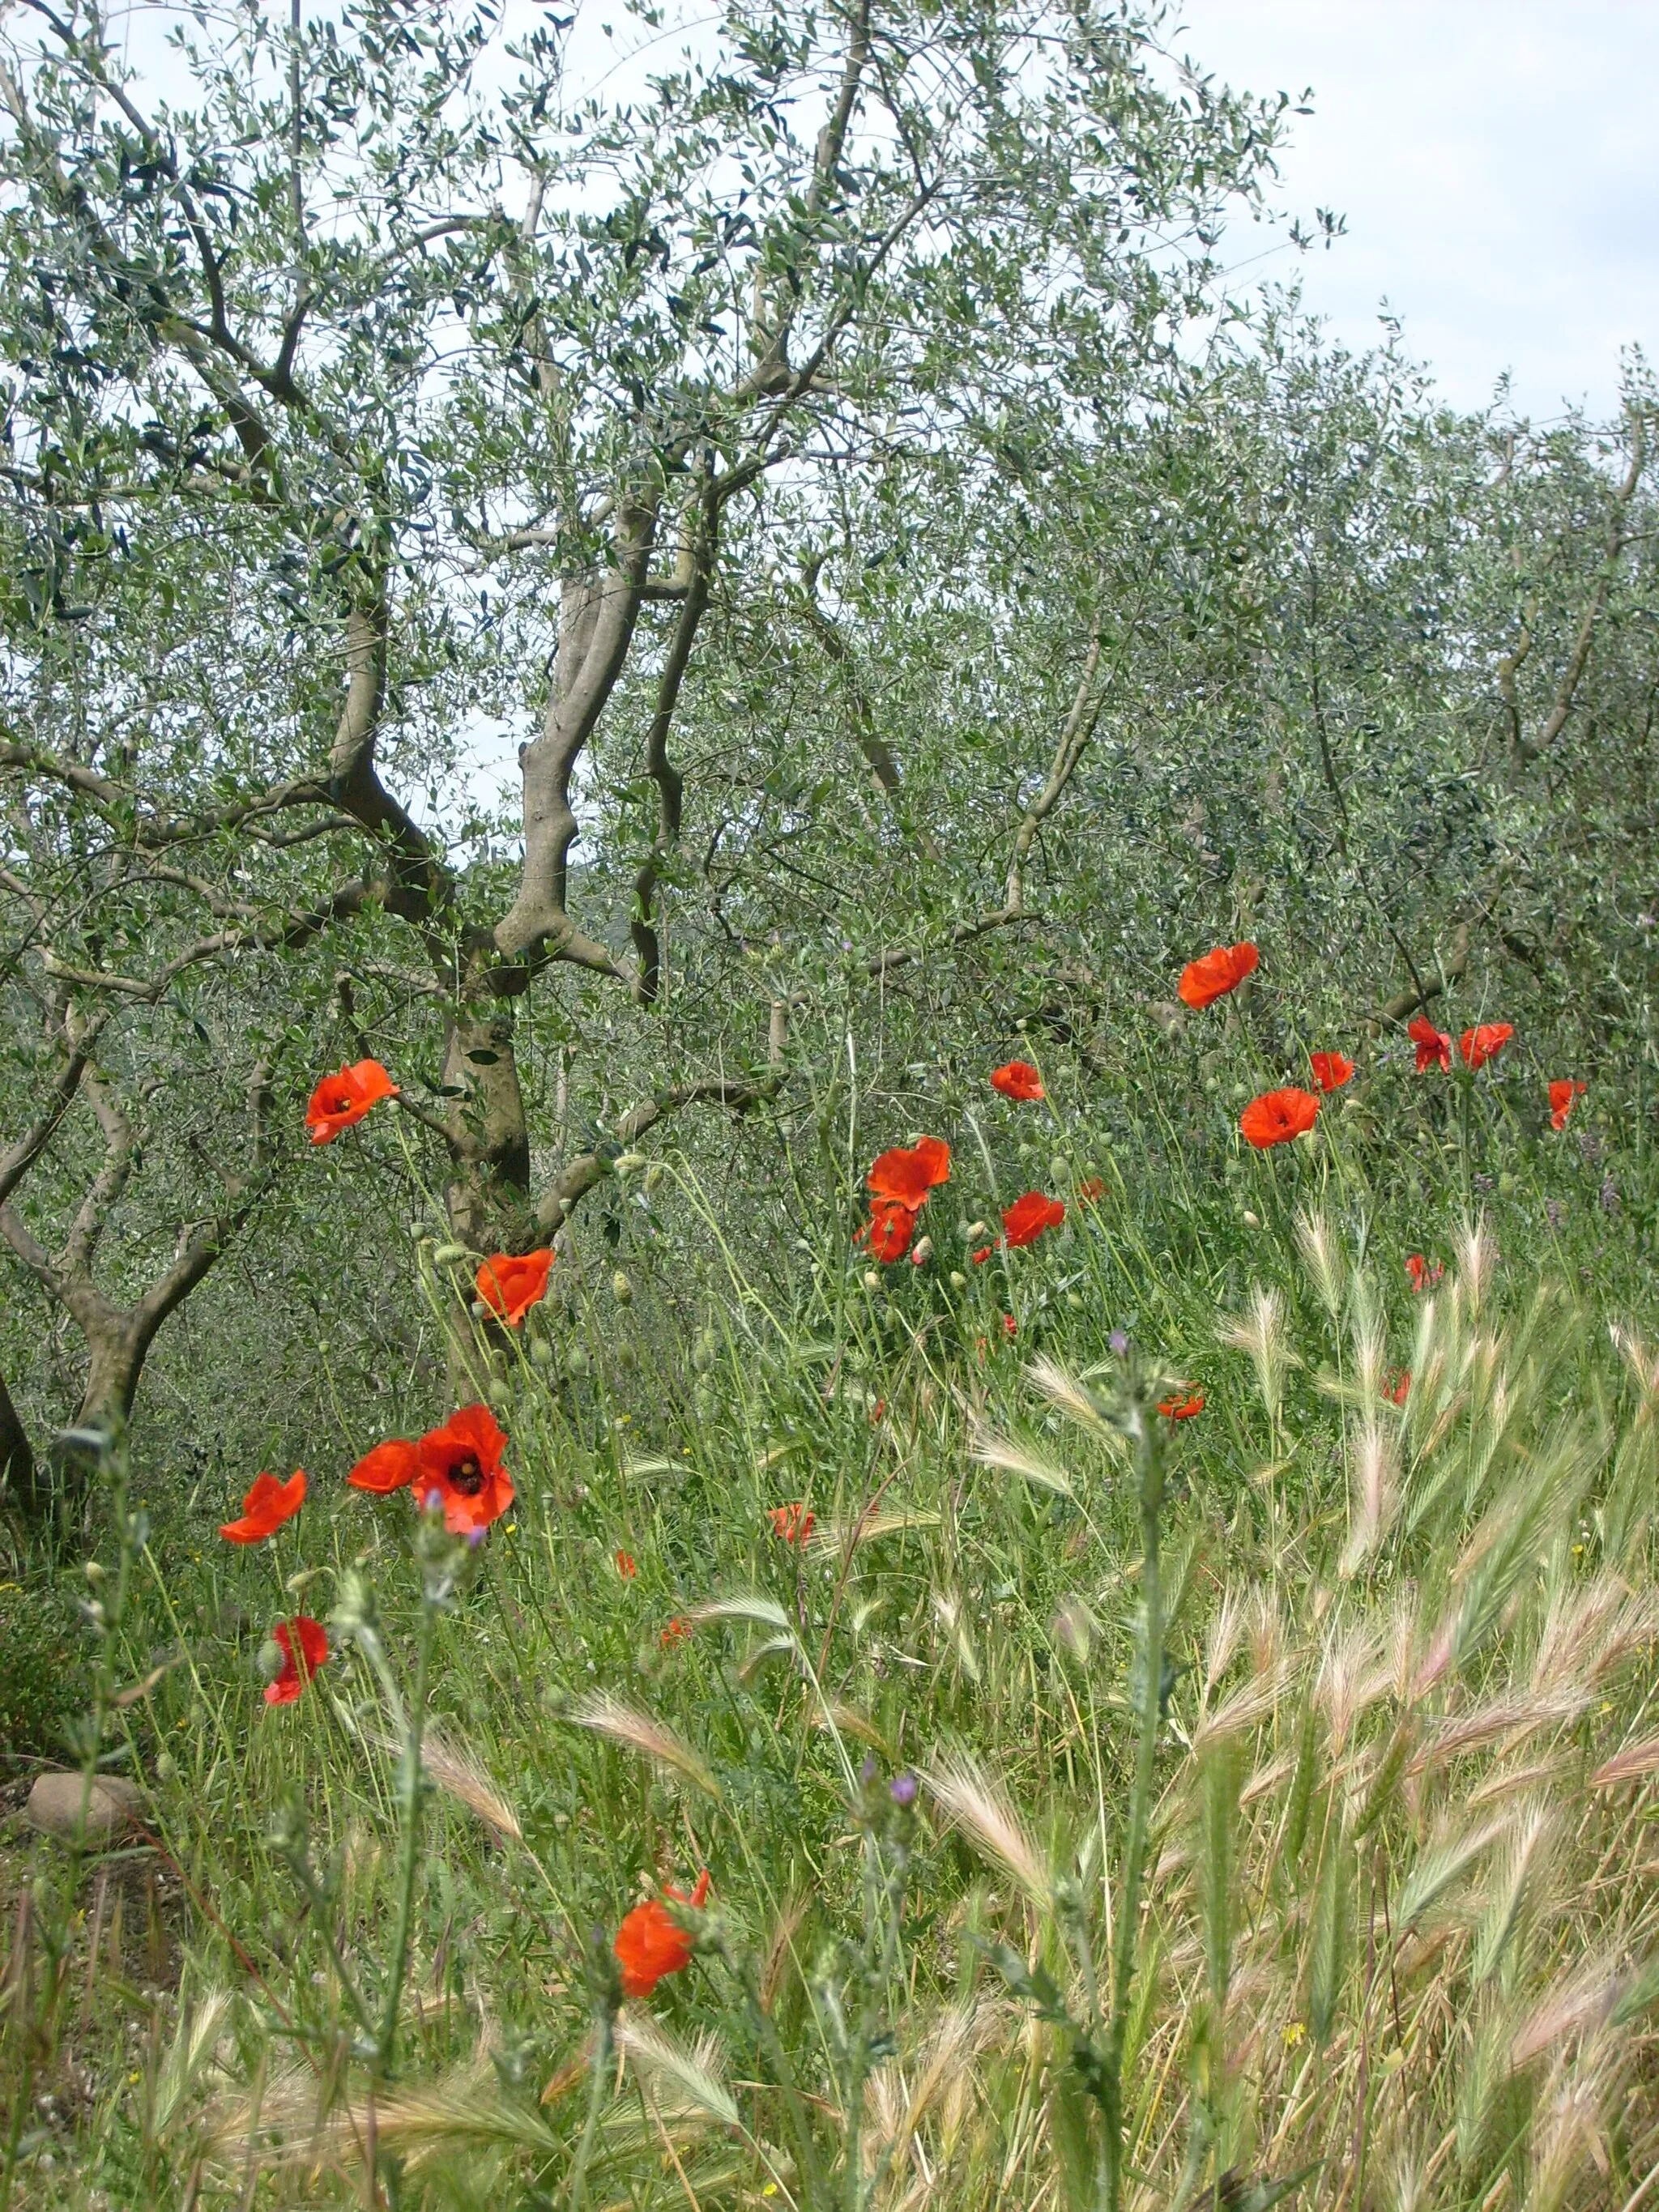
[1095, 1188]
[1181, 1409]
[983, 1254]
[267, 1505]
[650, 1942]
[1398, 1388]
[1010, 1326]
[1203, 981]
[1424, 1273]
[793, 1523]
[907, 1174]
[676, 1632]
[1026, 1219]
[1562, 1094]
[1331, 1070]
[1433, 1045]
[461, 1464]
[300, 1663]
[878, 1413]
[386, 1469]
[341, 1100]
[888, 1232]
[1478, 1046]
[510, 1285]
[1278, 1116]
[625, 1566]
[1018, 1079]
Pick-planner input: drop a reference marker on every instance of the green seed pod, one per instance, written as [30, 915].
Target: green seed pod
[621, 1289]
[577, 1360]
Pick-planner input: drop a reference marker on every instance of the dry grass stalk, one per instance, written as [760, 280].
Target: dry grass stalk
[652, 1739]
[966, 1797]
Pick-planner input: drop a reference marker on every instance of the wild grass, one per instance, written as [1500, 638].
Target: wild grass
[1393, 1940]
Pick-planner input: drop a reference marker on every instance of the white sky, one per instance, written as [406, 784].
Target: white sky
[1497, 161]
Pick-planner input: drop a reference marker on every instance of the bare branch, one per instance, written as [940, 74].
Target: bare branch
[557, 1204]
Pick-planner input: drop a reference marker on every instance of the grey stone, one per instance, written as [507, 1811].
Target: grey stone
[55, 1806]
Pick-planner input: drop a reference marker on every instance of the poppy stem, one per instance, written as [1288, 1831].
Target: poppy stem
[596, 2088]
[409, 1806]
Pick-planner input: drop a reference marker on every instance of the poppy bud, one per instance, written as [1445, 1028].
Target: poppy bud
[702, 1351]
[653, 1176]
[577, 1360]
[1251, 1220]
[630, 1163]
[621, 1289]
[541, 1352]
[627, 1359]
[1058, 1170]
[93, 1572]
[477, 1309]
[923, 1252]
[166, 1768]
[974, 1231]
[958, 1280]
[445, 1255]
[872, 1280]
[270, 1661]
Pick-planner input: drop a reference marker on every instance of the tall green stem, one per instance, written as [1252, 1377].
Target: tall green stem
[1150, 1461]
[409, 1804]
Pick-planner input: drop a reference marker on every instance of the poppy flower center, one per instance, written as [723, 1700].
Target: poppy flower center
[467, 1476]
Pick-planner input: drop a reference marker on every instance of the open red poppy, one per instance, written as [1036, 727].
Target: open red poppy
[510, 1284]
[460, 1463]
[793, 1523]
[1027, 1218]
[341, 1100]
[906, 1174]
[626, 1566]
[267, 1505]
[1398, 1388]
[1018, 1079]
[676, 1632]
[1424, 1273]
[1331, 1070]
[888, 1232]
[1562, 1094]
[1185, 1409]
[1203, 981]
[1480, 1045]
[305, 1647]
[1433, 1045]
[650, 1942]
[386, 1469]
[1278, 1116]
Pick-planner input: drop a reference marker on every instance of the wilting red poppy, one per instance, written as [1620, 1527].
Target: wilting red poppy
[1331, 1070]
[510, 1285]
[1562, 1094]
[1276, 1117]
[907, 1173]
[386, 1469]
[341, 1100]
[1424, 1273]
[676, 1632]
[625, 1566]
[1478, 1046]
[1026, 1219]
[1018, 1079]
[1181, 1409]
[1095, 1188]
[305, 1647]
[267, 1505]
[461, 1464]
[888, 1232]
[793, 1523]
[1010, 1326]
[1398, 1388]
[650, 1942]
[1433, 1045]
[1203, 981]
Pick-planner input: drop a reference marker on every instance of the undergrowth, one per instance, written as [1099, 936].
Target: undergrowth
[1100, 1808]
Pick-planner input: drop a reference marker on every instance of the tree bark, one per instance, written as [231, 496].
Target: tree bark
[17, 1468]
